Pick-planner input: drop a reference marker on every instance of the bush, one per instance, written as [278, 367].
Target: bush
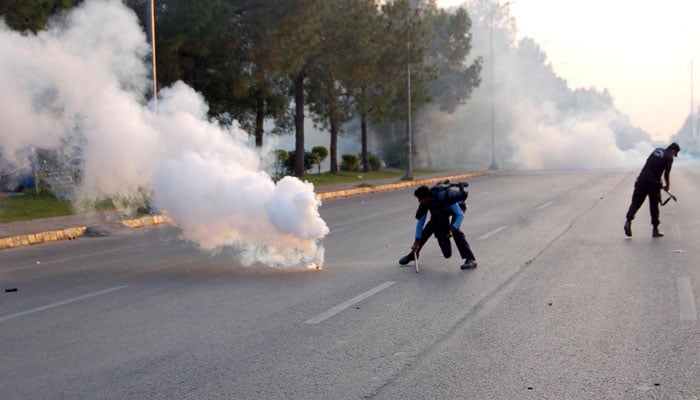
[291, 159]
[375, 162]
[351, 162]
[395, 154]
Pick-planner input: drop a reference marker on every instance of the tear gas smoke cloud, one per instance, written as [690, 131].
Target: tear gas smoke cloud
[85, 76]
[540, 122]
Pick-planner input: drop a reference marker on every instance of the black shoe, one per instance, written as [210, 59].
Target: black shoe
[407, 258]
[469, 264]
[628, 228]
[655, 233]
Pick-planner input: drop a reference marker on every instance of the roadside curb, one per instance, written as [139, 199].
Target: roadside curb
[394, 186]
[74, 232]
[42, 237]
[153, 220]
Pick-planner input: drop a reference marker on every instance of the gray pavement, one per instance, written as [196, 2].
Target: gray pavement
[36, 231]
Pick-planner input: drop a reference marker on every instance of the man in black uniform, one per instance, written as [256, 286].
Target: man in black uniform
[649, 184]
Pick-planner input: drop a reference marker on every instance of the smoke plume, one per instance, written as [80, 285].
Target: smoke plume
[536, 119]
[82, 80]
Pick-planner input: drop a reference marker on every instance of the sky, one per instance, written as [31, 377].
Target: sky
[640, 50]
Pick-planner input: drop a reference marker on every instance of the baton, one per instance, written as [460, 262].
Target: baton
[415, 257]
[670, 196]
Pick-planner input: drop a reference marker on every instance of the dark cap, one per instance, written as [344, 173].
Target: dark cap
[674, 146]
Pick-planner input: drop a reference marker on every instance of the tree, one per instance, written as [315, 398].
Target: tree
[449, 43]
[196, 41]
[31, 15]
[406, 46]
[296, 33]
[261, 91]
[377, 71]
[222, 49]
[329, 99]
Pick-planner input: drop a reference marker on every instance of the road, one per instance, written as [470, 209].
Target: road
[562, 306]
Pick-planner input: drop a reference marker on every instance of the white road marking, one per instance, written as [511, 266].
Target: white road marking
[686, 300]
[493, 232]
[545, 205]
[335, 310]
[61, 303]
[676, 230]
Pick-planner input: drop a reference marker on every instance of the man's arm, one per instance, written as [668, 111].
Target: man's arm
[667, 178]
[458, 216]
[419, 233]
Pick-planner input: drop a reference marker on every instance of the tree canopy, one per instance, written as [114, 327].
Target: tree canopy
[286, 61]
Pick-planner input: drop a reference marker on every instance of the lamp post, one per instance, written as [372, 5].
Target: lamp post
[493, 127]
[493, 166]
[409, 139]
[692, 105]
[151, 32]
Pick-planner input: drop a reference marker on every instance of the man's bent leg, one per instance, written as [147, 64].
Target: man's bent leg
[462, 245]
[445, 245]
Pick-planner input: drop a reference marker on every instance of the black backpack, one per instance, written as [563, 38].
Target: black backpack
[450, 193]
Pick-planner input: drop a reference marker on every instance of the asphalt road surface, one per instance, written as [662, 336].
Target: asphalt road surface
[562, 306]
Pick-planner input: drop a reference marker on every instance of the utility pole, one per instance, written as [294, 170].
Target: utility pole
[151, 32]
[493, 118]
[692, 105]
[409, 139]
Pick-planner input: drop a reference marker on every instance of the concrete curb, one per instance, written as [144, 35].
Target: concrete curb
[42, 237]
[152, 220]
[399, 185]
[74, 232]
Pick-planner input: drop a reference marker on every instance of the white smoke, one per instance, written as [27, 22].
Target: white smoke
[86, 75]
[544, 140]
[539, 122]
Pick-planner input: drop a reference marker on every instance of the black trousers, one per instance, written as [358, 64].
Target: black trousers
[642, 190]
[444, 241]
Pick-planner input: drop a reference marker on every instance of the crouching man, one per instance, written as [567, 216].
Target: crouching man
[445, 220]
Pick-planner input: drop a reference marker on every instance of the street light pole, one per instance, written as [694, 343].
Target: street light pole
[151, 21]
[494, 166]
[493, 127]
[409, 139]
[692, 105]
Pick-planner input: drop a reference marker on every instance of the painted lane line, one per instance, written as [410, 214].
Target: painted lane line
[335, 310]
[686, 300]
[493, 232]
[61, 303]
[545, 205]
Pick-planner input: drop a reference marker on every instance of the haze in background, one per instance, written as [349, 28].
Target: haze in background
[639, 51]
[539, 121]
[81, 83]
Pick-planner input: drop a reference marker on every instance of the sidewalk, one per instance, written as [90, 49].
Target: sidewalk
[35, 231]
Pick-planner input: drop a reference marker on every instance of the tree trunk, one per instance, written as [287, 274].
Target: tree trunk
[333, 112]
[299, 124]
[334, 147]
[259, 120]
[365, 153]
